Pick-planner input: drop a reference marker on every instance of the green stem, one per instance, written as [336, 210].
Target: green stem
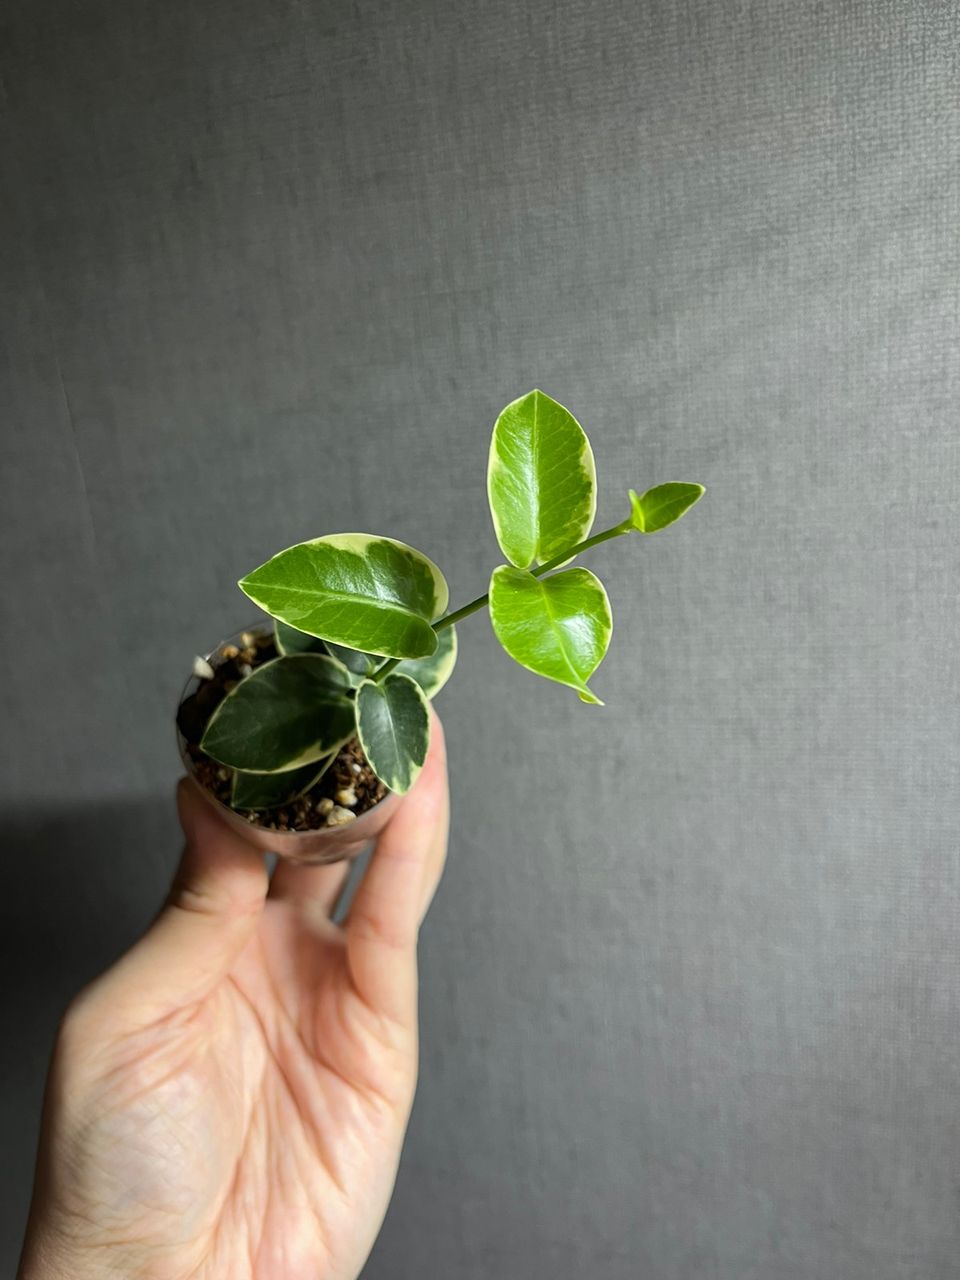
[385, 669]
[474, 606]
[624, 527]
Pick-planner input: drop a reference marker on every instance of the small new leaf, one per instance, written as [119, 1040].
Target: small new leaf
[393, 725]
[662, 505]
[290, 712]
[269, 790]
[558, 627]
[541, 480]
[371, 594]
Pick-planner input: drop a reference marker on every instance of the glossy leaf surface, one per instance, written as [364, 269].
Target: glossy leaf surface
[558, 626]
[288, 713]
[662, 505]
[372, 594]
[541, 480]
[393, 725]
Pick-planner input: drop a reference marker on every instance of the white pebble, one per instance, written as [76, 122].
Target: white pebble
[338, 817]
[248, 639]
[202, 668]
[347, 797]
[324, 806]
[246, 669]
[356, 768]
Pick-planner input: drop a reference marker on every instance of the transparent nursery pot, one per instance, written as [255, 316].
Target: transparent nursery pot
[315, 847]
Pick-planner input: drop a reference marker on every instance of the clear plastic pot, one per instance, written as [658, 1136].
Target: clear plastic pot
[326, 844]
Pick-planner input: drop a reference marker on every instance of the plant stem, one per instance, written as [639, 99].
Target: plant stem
[385, 669]
[481, 601]
[463, 612]
[624, 527]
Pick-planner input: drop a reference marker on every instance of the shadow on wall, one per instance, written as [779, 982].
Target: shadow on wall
[79, 886]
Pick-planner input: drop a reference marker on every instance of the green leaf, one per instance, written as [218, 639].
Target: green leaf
[393, 725]
[370, 594]
[541, 480]
[432, 673]
[269, 790]
[558, 626]
[290, 640]
[289, 712]
[662, 505]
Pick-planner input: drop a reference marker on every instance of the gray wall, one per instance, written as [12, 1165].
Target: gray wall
[691, 988]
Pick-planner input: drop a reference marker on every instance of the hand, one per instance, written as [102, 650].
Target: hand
[228, 1102]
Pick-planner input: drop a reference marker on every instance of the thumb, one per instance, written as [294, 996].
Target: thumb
[211, 913]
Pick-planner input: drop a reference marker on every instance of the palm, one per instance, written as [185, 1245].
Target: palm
[295, 1096]
[253, 1129]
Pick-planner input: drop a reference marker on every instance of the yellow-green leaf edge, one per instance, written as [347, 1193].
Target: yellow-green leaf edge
[394, 783]
[533, 551]
[584, 692]
[357, 543]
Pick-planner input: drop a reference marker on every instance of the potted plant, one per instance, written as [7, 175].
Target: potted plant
[303, 727]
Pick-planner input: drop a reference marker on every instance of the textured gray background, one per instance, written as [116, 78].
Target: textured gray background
[691, 986]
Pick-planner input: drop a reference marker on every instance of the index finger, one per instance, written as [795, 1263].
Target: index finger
[393, 897]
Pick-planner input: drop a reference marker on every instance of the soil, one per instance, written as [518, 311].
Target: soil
[318, 807]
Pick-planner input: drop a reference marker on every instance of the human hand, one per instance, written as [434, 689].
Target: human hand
[228, 1102]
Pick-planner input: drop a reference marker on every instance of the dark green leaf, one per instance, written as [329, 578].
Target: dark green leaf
[359, 664]
[393, 725]
[269, 790]
[288, 713]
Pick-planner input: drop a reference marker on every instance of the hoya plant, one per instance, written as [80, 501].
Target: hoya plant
[362, 632]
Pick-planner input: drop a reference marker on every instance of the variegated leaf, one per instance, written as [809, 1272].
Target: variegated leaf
[372, 594]
[393, 725]
[558, 627]
[290, 712]
[541, 480]
[270, 790]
